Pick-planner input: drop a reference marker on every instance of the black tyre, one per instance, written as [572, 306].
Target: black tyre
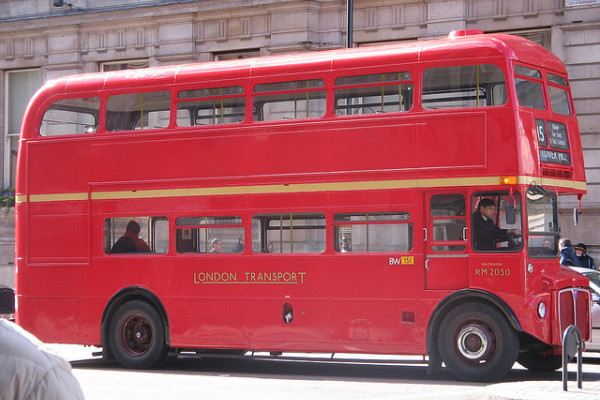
[477, 343]
[540, 363]
[137, 335]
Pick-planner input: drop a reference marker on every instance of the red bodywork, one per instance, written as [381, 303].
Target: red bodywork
[343, 302]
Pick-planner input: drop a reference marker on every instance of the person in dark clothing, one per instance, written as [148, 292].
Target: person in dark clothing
[567, 254]
[585, 260]
[125, 244]
[486, 234]
[130, 242]
[240, 246]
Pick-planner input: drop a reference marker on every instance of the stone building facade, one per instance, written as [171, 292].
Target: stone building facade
[44, 39]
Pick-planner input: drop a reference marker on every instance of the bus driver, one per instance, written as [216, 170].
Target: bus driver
[486, 234]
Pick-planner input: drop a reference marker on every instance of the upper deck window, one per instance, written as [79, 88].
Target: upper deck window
[130, 111]
[221, 105]
[374, 93]
[289, 100]
[529, 91]
[559, 95]
[559, 100]
[559, 80]
[463, 86]
[71, 117]
[530, 72]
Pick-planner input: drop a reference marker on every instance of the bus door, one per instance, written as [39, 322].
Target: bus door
[446, 258]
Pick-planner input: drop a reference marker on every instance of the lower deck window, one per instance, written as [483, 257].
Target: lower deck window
[210, 235]
[136, 235]
[288, 233]
[373, 232]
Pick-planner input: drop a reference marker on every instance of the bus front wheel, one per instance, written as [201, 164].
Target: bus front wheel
[477, 343]
[137, 335]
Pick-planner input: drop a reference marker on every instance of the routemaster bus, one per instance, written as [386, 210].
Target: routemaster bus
[392, 200]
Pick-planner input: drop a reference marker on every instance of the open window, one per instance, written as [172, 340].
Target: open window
[137, 111]
[496, 221]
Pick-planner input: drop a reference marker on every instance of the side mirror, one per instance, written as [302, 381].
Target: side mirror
[510, 215]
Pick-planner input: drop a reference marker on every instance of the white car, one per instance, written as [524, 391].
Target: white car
[594, 277]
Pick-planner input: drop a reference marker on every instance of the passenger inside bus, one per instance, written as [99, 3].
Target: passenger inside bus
[130, 242]
[486, 234]
[240, 246]
[216, 246]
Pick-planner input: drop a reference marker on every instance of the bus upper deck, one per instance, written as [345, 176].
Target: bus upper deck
[477, 106]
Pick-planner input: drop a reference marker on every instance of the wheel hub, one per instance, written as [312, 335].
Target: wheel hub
[472, 342]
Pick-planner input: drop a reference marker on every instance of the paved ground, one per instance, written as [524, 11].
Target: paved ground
[260, 379]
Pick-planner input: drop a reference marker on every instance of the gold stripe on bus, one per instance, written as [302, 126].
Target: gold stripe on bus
[564, 184]
[38, 198]
[297, 188]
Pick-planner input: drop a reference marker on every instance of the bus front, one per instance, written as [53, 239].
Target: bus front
[551, 168]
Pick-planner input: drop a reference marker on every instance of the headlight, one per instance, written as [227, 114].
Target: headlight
[541, 309]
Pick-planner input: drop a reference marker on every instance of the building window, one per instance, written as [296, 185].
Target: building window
[121, 65]
[235, 55]
[541, 37]
[20, 87]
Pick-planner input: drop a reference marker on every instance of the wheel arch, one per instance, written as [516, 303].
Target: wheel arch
[123, 296]
[461, 297]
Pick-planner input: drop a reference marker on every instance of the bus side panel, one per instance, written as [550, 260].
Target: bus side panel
[373, 305]
[288, 302]
[438, 147]
[54, 262]
[373, 295]
[60, 167]
[207, 308]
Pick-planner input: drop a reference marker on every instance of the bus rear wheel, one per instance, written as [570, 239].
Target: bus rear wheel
[477, 343]
[137, 335]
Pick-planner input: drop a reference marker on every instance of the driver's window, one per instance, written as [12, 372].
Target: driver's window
[496, 221]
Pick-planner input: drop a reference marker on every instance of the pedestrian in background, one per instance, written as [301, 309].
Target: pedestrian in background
[585, 260]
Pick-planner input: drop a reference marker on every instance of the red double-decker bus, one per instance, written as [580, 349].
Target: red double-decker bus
[399, 199]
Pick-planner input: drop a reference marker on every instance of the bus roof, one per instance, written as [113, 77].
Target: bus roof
[455, 47]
